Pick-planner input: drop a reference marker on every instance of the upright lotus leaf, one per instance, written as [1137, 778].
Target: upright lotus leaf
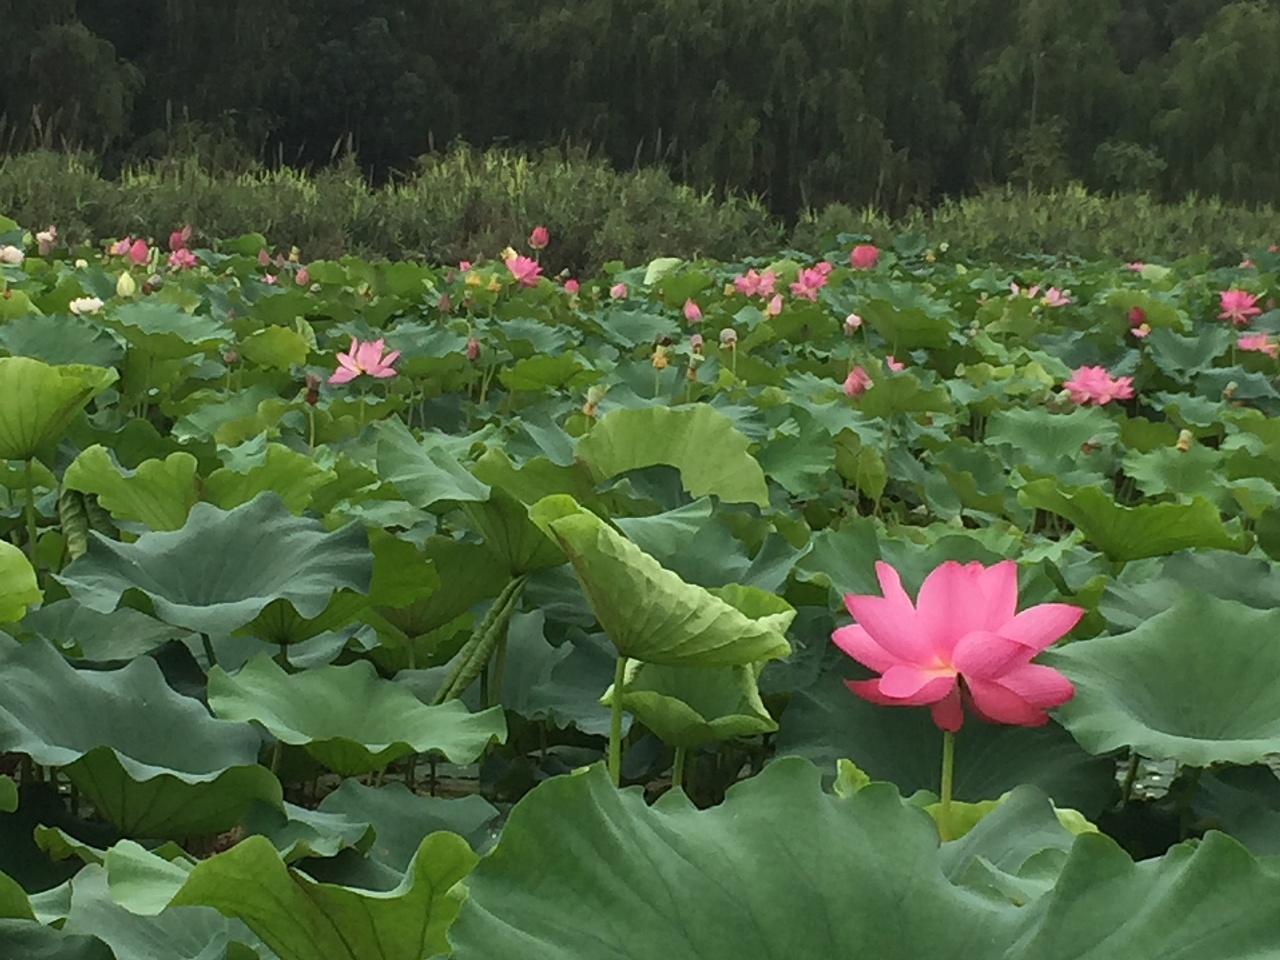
[348, 718]
[40, 400]
[1131, 533]
[1243, 802]
[701, 442]
[19, 588]
[272, 467]
[165, 331]
[1042, 439]
[85, 634]
[300, 919]
[425, 473]
[694, 706]
[509, 534]
[1196, 472]
[297, 832]
[127, 745]
[158, 494]
[649, 613]
[276, 347]
[223, 567]
[906, 316]
[1199, 683]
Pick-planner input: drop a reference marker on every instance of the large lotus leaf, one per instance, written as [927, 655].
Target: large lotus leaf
[8, 795]
[1199, 683]
[1243, 802]
[61, 339]
[158, 494]
[1188, 474]
[128, 743]
[903, 746]
[401, 819]
[165, 331]
[348, 718]
[425, 473]
[223, 567]
[297, 832]
[19, 588]
[300, 919]
[648, 612]
[277, 347]
[1042, 439]
[700, 442]
[1131, 533]
[906, 316]
[40, 401]
[514, 539]
[35, 941]
[694, 706]
[273, 467]
[85, 634]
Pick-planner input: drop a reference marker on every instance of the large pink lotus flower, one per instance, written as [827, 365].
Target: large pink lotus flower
[364, 358]
[754, 284]
[809, 282]
[962, 642]
[1238, 306]
[1095, 385]
[864, 256]
[525, 270]
[1261, 343]
[182, 259]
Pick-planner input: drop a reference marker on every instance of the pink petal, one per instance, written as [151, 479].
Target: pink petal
[936, 691]
[391, 358]
[857, 643]
[382, 373]
[1000, 586]
[948, 713]
[896, 634]
[1041, 686]
[998, 704]
[915, 686]
[988, 656]
[869, 690]
[1040, 626]
[951, 604]
[343, 375]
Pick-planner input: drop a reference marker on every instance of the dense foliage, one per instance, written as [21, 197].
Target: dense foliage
[804, 102]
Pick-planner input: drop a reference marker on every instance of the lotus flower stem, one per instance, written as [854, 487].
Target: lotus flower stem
[275, 755]
[948, 772]
[615, 723]
[1130, 776]
[31, 514]
[677, 770]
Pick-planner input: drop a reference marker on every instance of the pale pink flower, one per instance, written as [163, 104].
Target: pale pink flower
[182, 259]
[753, 284]
[618, 291]
[692, 312]
[46, 240]
[1095, 385]
[864, 256]
[464, 265]
[857, 382]
[539, 238]
[364, 358]
[851, 323]
[139, 253]
[1054, 297]
[1030, 292]
[1238, 306]
[1141, 331]
[823, 267]
[178, 239]
[893, 364]
[269, 279]
[1261, 343]
[571, 286]
[84, 305]
[525, 270]
[964, 626]
[121, 247]
[302, 278]
[264, 258]
[775, 306]
[1136, 266]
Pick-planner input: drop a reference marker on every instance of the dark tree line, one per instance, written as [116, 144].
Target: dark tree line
[883, 102]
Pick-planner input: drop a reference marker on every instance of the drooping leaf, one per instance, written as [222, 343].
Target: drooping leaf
[158, 494]
[40, 401]
[19, 588]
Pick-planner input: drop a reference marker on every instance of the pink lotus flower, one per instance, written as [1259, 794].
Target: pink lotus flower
[809, 283]
[775, 306]
[121, 247]
[893, 364]
[851, 323]
[525, 270]
[857, 382]
[753, 284]
[464, 265]
[1137, 317]
[823, 267]
[618, 291]
[1053, 297]
[139, 253]
[1141, 331]
[692, 312]
[302, 278]
[1030, 292]
[1095, 385]
[269, 279]
[864, 256]
[962, 642]
[264, 258]
[1260, 343]
[182, 259]
[364, 358]
[1136, 266]
[571, 287]
[178, 239]
[539, 238]
[1238, 306]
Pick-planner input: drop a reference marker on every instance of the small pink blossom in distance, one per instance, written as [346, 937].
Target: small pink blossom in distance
[864, 256]
[473, 349]
[857, 382]
[894, 365]
[524, 269]
[775, 306]
[303, 277]
[264, 258]
[963, 626]
[1141, 331]
[1054, 297]
[182, 259]
[571, 286]
[1261, 343]
[539, 238]
[178, 239]
[1095, 385]
[692, 312]
[464, 265]
[824, 267]
[1238, 306]
[851, 323]
[810, 281]
[364, 358]
[618, 291]
[1246, 264]
[121, 247]
[1030, 292]
[139, 253]
[1136, 266]
[269, 279]
[1137, 317]
[754, 284]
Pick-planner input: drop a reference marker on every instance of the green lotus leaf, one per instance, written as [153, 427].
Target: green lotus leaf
[276, 347]
[1043, 440]
[22, 938]
[401, 819]
[547, 373]
[1197, 683]
[348, 718]
[694, 706]
[165, 331]
[700, 442]
[8, 795]
[665, 536]
[509, 534]
[264, 467]
[158, 494]
[649, 613]
[425, 473]
[297, 832]
[1190, 474]
[19, 588]
[41, 400]
[14, 904]
[62, 339]
[906, 316]
[1243, 802]
[127, 744]
[85, 634]
[1131, 533]
[224, 567]
[300, 919]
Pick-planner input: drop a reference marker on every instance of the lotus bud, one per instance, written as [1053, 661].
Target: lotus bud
[473, 349]
[313, 389]
[660, 360]
[1185, 439]
[302, 278]
[264, 258]
[126, 286]
[1229, 390]
[594, 395]
[851, 323]
[728, 338]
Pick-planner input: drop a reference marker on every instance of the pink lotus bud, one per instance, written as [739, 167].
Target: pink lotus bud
[1137, 317]
[864, 257]
[539, 239]
[851, 323]
[618, 291]
[121, 247]
[264, 258]
[571, 287]
[893, 364]
[473, 349]
[857, 383]
[691, 312]
[775, 306]
[139, 253]
[302, 278]
[464, 265]
[178, 239]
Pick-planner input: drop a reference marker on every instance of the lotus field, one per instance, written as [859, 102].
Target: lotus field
[866, 603]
